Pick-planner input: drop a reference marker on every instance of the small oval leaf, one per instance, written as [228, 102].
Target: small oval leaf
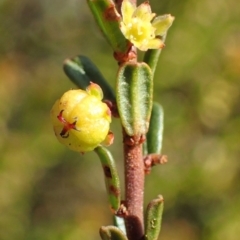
[112, 233]
[111, 176]
[74, 69]
[134, 97]
[155, 133]
[154, 218]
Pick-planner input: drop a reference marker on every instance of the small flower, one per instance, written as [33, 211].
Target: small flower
[81, 120]
[140, 29]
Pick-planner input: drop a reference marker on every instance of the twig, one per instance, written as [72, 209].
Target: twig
[134, 187]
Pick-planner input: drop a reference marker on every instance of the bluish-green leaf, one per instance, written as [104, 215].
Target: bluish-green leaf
[74, 69]
[112, 233]
[155, 133]
[134, 97]
[153, 218]
[111, 176]
[81, 70]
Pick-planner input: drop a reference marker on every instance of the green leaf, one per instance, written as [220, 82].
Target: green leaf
[153, 218]
[81, 70]
[112, 233]
[74, 69]
[155, 133]
[108, 19]
[134, 97]
[152, 55]
[111, 177]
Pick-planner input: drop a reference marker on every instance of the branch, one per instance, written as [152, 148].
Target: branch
[134, 187]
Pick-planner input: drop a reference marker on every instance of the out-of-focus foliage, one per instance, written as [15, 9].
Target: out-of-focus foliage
[48, 192]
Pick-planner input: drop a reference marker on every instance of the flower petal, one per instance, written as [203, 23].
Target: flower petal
[162, 24]
[139, 45]
[144, 12]
[155, 43]
[127, 10]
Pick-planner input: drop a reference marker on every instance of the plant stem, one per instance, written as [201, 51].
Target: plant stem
[134, 177]
[134, 188]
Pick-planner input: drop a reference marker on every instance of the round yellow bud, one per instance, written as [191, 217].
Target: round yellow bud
[80, 120]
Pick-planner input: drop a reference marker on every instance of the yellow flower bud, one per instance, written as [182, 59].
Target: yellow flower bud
[80, 119]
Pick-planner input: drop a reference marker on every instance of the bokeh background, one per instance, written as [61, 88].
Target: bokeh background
[48, 192]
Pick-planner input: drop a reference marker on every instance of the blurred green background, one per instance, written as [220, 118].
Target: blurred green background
[48, 192]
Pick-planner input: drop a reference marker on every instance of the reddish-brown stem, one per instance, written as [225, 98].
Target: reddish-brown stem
[134, 187]
[134, 169]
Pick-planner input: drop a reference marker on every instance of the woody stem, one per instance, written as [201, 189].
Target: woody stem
[134, 189]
